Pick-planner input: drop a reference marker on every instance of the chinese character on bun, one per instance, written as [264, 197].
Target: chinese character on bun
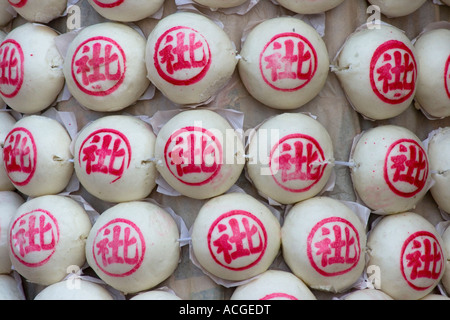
[133, 246]
[324, 243]
[377, 69]
[126, 11]
[113, 158]
[284, 63]
[47, 237]
[409, 253]
[390, 169]
[397, 8]
[104, 66]
[189, 57]
[32, 77]
[235, 237]
[433, 86]
[290, 158]
[308, 6]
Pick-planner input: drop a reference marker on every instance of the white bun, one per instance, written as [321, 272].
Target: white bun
[308, 6]
[126, 11]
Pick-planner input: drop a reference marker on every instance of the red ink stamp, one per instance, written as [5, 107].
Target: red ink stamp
[393, 72]
[278, 296]
[108, 3]
[105, 151]
[33, 237]
[333, 246]
[406, 168]
[301, 161]
[99, 66]
[119, 248]
[193, 155]
[11, 68]
[182, 56]
[20, 156]
[422, 260]
[447, 77]
[234, 236]
[288, 62]
[18, 3]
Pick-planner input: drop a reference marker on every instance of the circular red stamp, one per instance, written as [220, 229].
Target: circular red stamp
[297, 162]
[406, 168]
[20, 156]
[99, 66]
[106, 152]
[11, 68]
[422, 260]
[18, 3]
[278, 296]
[447, 77]
[193, 155]
[119, 248]
[288, 62]
[33, 237]
[393, 72]
[237, 240]
[333, 246]
[108, 3]
[182, 56]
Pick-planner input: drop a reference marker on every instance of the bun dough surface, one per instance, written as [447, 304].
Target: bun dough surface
[397, 245]
[126, 10]
[74, 289]
[146, 241]
[200, 154]
[10, 289]
[433, 86]
[308, 6]
[367, 68]
[310, 229]
[47, 236]
[9, 202]
[390, 171]
[42, 11]
[367, 294]
[189, 58]
[7, 122]
[118, 78]
[112, 158]
[220, 3]
[265, 66]
[274, 285]
[36, 156]
[235, 237]
[397, 8]
[156, 295]
[35, 81]
[290, 157]
[446, 276]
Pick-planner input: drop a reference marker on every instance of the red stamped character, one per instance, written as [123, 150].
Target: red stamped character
[99, 66]
[20, 156]
[105, 151]
[193, 155]
[182, 56]
[447, 77]
[33, 237]
[422, 260]
[406, 168]
[333, 246]
[297, 160]
[108, 3]
[11, 68]
[236, 235]
[393, 72]
[18, 3]
[288, 62]
[119, 248]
